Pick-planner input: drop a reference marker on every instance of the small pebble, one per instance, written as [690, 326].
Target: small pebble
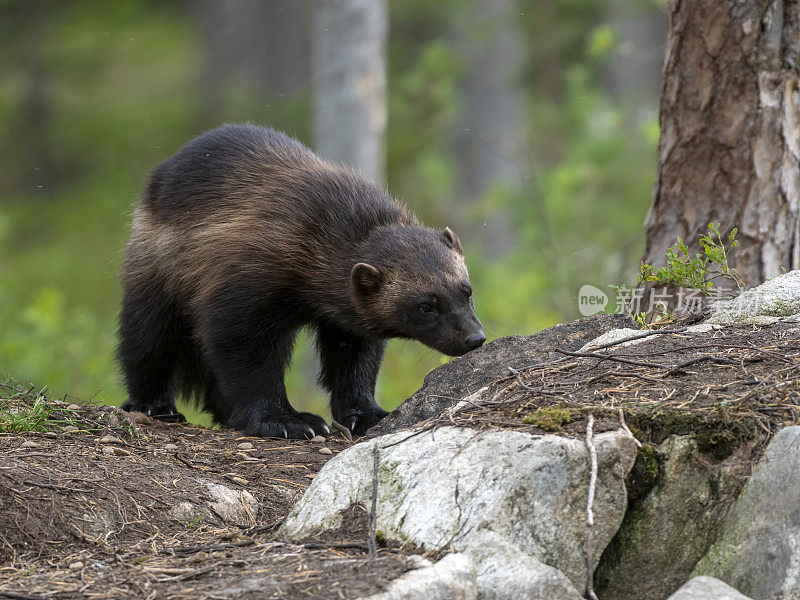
[110, 439]
[70, 429]
[311, 476]
[140, 418]
[170, 446]
[245, 446]
[115, 451]
[29, 444]
[325, 450]
[203, 556]
[76, 566]
[317, 438]
[237, 479]
[50, 434]
[73, 407]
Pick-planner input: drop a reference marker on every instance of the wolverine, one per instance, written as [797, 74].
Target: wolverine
[246, 236]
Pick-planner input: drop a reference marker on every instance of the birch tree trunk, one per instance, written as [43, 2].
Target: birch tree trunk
[348, 70]
[265, 43]
[730, 132]
[490, 133]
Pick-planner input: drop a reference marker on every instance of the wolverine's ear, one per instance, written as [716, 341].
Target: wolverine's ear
[451, 239]
[365, 279]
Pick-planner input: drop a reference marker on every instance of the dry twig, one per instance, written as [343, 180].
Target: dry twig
[590, 509]
[373, 513]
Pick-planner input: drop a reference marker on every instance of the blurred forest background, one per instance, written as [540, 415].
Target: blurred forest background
[530, 127]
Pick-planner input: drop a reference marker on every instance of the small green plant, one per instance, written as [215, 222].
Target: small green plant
[25, 410]
[640, 318]
[699, 271]
[191, 523]
[19, 414]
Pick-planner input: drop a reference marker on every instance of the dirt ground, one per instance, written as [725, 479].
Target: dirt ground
[109, 508]
[726, 387]
[155, 510]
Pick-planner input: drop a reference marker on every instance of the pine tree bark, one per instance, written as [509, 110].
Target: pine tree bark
[730, 132]
[349, 74]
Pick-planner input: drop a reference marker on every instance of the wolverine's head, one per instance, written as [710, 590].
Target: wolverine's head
[414, 283]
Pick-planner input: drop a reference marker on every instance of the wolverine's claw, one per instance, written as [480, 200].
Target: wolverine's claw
[353, 422]
[285, 433]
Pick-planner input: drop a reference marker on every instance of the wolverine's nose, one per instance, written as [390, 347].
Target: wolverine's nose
[475, 340]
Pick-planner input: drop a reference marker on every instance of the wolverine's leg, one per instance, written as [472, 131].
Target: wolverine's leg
[349, 369]
[149, 328]
[248, 354]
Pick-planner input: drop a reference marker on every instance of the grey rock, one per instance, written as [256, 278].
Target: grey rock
[229, 504]
[445, 386]
[758, 550]
[707, 588]
[617, 336]
[185, 511]
[764, 304]
[452, 578]
[453, 486]
[505, 572]
[657, 546]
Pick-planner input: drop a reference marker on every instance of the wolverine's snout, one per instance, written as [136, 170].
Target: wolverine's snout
[475, 340]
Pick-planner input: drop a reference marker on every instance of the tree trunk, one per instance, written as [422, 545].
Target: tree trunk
[264, 43]
[490, 134]
[349, 76]
[730, 132]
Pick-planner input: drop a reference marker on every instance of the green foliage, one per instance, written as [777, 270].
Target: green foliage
[640, 319]
[601, 42]
[698, 271]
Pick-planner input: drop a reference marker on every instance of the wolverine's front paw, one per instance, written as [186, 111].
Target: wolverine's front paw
[358, 420]
[298, 427]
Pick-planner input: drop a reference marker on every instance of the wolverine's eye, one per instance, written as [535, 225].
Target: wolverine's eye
[425, 308]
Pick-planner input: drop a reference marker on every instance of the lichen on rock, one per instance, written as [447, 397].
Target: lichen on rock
[452, 486]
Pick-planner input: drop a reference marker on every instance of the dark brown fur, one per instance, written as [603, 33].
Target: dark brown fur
[243, 237]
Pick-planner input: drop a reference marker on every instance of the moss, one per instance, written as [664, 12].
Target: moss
[718, 435]
[644, 474]
[390, 482]
[550, 418]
